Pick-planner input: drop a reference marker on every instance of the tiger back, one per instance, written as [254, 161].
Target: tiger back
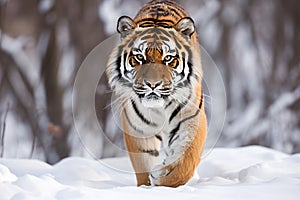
[156, 74]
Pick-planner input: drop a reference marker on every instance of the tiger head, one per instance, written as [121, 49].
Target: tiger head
[155, 64]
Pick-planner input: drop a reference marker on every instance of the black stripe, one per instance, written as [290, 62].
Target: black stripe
[183, 62]
[176, 12]
[190, 65]
[124, 61]
[146, 37]
[118, 62]
[201, 101]
[183, 55]
[190, 117]
[177, 110]
[173, 133]
[176, 129]
[164, 38]
[129, 122]
[140, 115]
[151, 152]
[166, 33]
[169, 103]
[198, 110]
[135, 49]
[158, 137]
[162, 12]
[146, 24]
[118, 69]
[130, 44]
[155, 20]
[154, 30]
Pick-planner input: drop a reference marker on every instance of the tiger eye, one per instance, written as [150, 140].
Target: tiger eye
[167, 58]
[139, 57]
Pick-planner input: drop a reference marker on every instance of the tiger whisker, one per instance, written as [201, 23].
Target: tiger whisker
[117, 101]
[189, 101]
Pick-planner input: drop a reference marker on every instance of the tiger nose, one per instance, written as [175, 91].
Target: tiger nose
[152, 84]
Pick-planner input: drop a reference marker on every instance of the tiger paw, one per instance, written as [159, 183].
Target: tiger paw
[158, 173]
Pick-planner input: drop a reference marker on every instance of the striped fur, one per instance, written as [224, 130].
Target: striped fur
[156, 73]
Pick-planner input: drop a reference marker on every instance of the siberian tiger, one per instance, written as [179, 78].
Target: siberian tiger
[156, 74]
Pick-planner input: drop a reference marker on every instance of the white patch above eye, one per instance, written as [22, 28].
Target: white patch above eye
[139, 49]
[140, 45]
[168, 46]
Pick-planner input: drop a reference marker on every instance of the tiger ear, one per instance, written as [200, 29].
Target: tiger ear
[125, 25]
[185, 26]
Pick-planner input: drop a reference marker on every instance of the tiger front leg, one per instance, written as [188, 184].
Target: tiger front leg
[177, 168]
[143, 153]
[182, 158]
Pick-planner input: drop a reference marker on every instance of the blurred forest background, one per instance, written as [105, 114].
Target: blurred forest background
[255, 44]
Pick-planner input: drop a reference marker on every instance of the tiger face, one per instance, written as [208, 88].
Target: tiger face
[153, 64]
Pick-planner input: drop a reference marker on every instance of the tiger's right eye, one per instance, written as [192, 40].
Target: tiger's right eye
[139, 57]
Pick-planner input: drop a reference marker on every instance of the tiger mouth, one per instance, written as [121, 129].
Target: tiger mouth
[142, 92]
[153, 97]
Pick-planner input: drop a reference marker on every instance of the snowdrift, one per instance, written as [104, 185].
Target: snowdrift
[239, 173]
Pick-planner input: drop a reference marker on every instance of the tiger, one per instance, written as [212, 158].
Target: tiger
[155, 71]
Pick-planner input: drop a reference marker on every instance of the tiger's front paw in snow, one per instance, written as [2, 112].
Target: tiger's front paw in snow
[160, 175]
[174, 174]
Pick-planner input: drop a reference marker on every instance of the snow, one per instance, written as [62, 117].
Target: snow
[252, 172]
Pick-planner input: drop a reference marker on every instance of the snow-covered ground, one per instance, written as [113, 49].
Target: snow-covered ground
[239, 173]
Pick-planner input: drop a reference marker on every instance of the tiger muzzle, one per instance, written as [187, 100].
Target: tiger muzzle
[153, 82]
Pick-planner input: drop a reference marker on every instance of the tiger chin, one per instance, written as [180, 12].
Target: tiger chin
[156, 73]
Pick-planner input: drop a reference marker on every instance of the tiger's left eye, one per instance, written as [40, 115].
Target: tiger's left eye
[168, 58]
